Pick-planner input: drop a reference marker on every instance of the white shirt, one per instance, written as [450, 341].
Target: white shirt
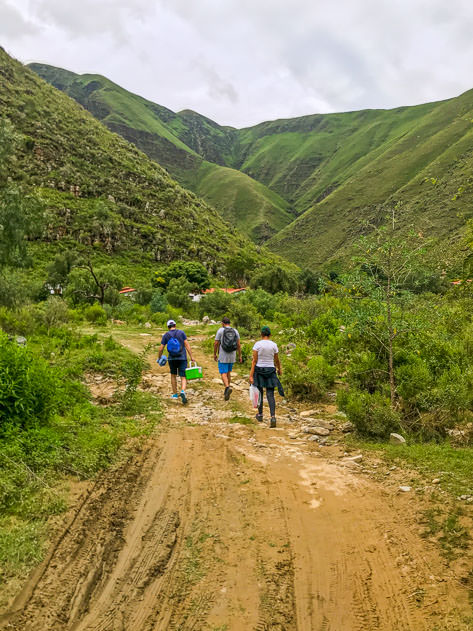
[266, 350]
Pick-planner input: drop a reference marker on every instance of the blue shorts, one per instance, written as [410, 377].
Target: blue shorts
[224, 367]
[178, 366]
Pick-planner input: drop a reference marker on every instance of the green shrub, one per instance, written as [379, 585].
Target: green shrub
[30, 391]
[244, 315]
[215, 305]
[371, 414]
[158, 302]
[177, 293]
[55, 312]
[95, 314]
[308, 378]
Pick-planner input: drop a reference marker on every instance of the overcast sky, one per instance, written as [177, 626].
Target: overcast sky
[244, 61]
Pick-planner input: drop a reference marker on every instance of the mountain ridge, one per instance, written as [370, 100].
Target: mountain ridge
[326, 174]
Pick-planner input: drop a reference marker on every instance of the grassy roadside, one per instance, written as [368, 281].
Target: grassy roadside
[43, 467]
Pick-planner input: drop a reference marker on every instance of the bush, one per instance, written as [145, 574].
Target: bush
[244, 315]
[178, 293]
[215, 305]
[158, 302]
[308, 379]
[30, 391]
[55, 312]
[95, 314]
[264, 302]
[371, 414]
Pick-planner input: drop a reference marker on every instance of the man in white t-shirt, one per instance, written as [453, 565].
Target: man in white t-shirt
[263, 372]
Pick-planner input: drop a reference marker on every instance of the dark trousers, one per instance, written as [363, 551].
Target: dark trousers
[271, 401]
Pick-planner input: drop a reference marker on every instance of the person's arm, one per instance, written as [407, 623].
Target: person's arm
[239, 351]
[160, 351]
[253, 365]
[216, 349]
[188, 349]
[277, 363]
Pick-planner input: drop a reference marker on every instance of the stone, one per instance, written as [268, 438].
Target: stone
[405, 489]
[318, 431]
[215, 380]
[320, 422]
[396, 439]
[206, 319]
[307, 413]
[357, 458]
[347, 427]
[147, 325]
[436, 481]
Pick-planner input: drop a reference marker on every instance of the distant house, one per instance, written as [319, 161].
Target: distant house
[227, 290]
[127, 291]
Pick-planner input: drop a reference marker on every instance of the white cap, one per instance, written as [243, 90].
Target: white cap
[171, 323]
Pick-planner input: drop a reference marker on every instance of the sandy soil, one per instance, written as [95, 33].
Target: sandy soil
[220, 526]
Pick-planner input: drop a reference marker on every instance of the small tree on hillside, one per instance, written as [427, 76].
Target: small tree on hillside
[388, 262]
[90, 283]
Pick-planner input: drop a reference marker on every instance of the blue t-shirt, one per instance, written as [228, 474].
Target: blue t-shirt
[181, 336]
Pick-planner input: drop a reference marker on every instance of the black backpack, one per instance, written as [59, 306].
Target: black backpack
[229, 340]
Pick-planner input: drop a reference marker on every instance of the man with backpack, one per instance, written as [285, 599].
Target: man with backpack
[227, 343]
[177, 347]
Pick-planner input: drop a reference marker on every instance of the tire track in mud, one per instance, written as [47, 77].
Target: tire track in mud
[208, 528]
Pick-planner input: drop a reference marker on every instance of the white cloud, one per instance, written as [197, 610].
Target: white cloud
[244, 61]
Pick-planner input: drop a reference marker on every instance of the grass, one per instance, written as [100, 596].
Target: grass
[451, 534]
[453, 466]
[242, 420]
[38, 465]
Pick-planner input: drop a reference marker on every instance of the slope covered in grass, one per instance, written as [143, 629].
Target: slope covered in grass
[427, 166]
[186, 143]
[99, 190]
[332, 170]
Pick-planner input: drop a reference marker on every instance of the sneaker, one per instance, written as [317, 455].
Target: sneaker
[174, 396]
[272, 422]
[227, 393]
[183, 397]
[259, 418]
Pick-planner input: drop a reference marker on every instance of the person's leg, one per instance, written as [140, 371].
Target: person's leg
[259, 416]
[272, 405]
[173, 371]
[224, 376]
[228, 388]
[182, 374]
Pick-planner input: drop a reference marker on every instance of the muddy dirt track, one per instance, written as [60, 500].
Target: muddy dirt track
[219, 526]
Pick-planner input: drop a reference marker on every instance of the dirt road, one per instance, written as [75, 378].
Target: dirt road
[221, 526]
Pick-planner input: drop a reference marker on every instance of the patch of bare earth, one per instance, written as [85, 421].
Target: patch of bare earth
[219, 526]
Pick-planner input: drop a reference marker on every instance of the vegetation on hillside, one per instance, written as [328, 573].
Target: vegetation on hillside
[335, 170]
[192, 147]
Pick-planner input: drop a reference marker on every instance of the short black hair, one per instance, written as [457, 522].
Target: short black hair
[226, 320]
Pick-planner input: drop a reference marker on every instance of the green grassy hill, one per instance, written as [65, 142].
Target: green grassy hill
[331, 170]
[99, 190]
[426, 163]
[185, 143]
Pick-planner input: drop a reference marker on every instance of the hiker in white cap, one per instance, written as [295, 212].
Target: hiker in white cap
[178, 347]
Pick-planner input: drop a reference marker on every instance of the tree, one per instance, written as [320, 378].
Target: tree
[387, 261]
[87, 283]
[239, 267]
[275, 278]
[195, 273]
[178, 293]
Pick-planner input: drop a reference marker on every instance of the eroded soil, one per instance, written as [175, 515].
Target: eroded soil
[221, 526]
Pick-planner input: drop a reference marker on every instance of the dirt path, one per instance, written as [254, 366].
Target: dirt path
[221, 526]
